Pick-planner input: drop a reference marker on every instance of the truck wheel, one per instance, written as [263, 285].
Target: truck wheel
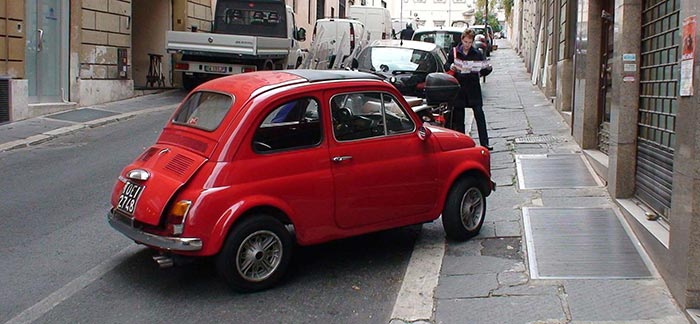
[189, 82]
[256, 254]
[464, 211]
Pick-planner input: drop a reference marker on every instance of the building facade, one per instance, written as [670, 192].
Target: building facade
[625, 74]
[61, 54]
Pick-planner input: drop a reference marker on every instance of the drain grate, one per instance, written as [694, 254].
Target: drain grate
[580, 243]
[536, 139]
[82, 115]
[547, 171]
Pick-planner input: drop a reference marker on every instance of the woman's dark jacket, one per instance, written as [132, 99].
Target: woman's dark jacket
[469, 82]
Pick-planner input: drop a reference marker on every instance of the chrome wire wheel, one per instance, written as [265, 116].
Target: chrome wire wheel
[259, 255]
[471, 208]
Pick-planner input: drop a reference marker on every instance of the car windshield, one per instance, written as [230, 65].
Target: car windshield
[390, 59]
[446, 40]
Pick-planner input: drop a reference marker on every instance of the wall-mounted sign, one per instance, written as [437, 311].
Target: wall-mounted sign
[687, 55]
[630, 67]
[629, 57]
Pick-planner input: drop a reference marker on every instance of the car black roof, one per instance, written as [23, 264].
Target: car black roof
[327, 75]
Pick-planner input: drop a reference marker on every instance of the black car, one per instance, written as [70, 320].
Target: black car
[404, 63]
[445, 37]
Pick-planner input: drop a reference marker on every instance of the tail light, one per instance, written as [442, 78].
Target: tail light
[176, 217]
[248, 69]
[182, 66]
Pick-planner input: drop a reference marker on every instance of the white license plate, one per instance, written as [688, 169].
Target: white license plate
[129, 197]
[215, 68]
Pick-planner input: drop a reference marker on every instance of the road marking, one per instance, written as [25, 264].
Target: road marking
[47, 304]
[415, 299]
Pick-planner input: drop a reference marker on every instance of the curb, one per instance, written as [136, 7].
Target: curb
[52, 134]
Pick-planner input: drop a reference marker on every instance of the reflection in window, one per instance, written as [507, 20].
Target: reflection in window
[368, 114]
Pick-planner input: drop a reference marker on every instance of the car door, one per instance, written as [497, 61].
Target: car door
[381, 170]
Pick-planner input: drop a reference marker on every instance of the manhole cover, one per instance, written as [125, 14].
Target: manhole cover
[548, 171]
[536, 139]
[580, 243]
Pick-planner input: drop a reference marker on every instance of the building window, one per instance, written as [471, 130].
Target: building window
[439, 23]
[439, 1]
[459, 1]
[419, 1]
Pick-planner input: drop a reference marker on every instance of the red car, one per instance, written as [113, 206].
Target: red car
[251, 164]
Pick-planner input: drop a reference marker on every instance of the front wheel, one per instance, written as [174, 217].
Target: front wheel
[256, 254]
[465, 209]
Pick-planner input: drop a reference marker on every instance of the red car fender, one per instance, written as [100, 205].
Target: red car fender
[468, 166]
[229, 218]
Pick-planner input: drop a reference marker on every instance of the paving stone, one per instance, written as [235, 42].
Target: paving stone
[504, 229]
[476, 265]
[488, 230]
[466, 286]
[509, 248]
[500, 310]
[458, 249]
[512, 278]
[528, 290]
[506, 214]
[618, 300]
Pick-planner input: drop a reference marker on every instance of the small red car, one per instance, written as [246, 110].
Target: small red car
[251, 164]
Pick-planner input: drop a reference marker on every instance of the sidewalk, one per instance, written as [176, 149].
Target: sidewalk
[549, 219]
[40, 129]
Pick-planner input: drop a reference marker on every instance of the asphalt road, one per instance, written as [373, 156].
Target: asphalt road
[60, 262]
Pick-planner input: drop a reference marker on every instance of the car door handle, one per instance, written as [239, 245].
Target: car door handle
[341, 158]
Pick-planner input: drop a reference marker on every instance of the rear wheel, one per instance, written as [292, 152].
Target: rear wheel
[256, 254]
[465, 209]
[189, 82]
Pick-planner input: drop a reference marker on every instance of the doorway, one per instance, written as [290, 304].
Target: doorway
[151, 20]
[46, 53]
[606, 62]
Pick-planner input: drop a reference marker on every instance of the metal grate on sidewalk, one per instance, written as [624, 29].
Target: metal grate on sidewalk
[547, 171]
[580, 243]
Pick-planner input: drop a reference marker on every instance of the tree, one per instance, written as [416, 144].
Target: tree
[508, 6]
[493, 21]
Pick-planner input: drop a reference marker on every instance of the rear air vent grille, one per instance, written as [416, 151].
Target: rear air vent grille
[179, 164]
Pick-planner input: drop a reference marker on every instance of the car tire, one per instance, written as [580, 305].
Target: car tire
[465, 209]
[256, 254]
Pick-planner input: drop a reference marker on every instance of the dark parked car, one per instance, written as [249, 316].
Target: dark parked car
[404, 63]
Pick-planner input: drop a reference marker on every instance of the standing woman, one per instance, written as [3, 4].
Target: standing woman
[468, 65]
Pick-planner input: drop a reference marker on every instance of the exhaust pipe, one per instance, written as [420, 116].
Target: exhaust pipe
[164, 261]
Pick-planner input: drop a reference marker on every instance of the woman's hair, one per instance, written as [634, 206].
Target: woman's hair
[469, 33]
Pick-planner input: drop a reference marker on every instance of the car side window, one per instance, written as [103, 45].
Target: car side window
[367, 115]
[294, 124]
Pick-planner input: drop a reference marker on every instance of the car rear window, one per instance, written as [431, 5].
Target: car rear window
[204, 110]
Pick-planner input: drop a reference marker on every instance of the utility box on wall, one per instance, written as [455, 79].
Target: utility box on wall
[122, 63]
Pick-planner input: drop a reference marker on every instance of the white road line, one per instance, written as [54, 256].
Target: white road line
[47, 304]
[415, 299]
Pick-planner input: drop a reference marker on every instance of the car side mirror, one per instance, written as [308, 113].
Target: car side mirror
[424, 132]
[301, 34]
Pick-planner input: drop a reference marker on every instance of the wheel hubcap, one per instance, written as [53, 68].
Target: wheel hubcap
[259, 255]
[472, 208]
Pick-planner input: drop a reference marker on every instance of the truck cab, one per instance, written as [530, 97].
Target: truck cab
[246, 36]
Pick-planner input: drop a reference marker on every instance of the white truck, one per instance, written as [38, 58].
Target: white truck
[377, 20]
[246, 36]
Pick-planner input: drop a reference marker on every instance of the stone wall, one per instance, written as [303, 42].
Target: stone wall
[12, 31]
[106, 27]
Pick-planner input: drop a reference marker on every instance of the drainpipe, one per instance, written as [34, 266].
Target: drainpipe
[7, 39]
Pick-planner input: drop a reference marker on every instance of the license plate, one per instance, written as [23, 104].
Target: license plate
[129, 197]
[215, 68]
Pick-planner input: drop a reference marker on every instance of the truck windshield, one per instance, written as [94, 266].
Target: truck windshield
[252, 18]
